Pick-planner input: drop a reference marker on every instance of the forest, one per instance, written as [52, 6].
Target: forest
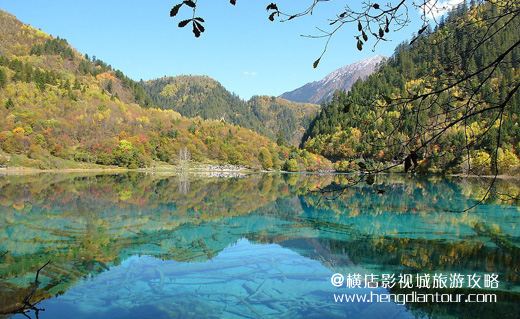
[397, 111]
[63, 109]
[195, 95]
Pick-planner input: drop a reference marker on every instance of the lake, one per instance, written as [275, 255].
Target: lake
[143, 245]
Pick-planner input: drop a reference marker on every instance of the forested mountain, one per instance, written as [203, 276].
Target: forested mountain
[62, 109]
[340, 79]
[446, 101]
[286, 119]
[195, 95]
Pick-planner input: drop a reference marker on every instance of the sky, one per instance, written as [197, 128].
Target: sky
[241, 48]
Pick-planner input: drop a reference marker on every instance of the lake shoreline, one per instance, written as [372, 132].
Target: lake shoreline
[207, 168]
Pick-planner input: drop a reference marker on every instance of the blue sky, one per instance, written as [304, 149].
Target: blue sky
[241, 48]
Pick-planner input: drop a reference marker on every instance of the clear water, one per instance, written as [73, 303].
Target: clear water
[141, 245]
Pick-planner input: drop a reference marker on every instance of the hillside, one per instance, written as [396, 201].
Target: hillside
[63, 109]
[340, 79]
[280, 115]
[428, 102]
[196, 95]
[201, 96]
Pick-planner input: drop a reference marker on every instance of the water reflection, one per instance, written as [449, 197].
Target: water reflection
[258, 246]
[244, 280]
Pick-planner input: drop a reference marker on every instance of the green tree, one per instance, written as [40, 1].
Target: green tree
[3, 79]
[266, 158]
[291, 165]
[77, 85]
[280, 138]
[9, 103]
[110, 86]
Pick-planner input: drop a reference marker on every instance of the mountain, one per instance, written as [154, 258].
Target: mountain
[429, 104]
[201, 96]
[62, 109]
[341, 79]
[283, 116]
[196, 95]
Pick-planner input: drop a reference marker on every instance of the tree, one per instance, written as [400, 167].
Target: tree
[110, 85]
[184, 159]
[3, 79]
[291, 165]
[280, 138]
[9, 103]
[265, 158]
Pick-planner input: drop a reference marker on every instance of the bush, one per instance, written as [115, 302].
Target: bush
[481, 163]
[291, 165]
[507, 161]
[133, 166]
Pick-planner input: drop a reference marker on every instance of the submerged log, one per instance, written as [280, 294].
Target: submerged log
[26, 304]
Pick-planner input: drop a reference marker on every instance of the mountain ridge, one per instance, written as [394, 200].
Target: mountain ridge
[202, 96]
[339, 79]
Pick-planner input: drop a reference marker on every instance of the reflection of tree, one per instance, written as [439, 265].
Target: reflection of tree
[184, 182]
[85, 224]
[89, 223]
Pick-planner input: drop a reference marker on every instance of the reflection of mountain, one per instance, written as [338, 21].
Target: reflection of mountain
[88, 223]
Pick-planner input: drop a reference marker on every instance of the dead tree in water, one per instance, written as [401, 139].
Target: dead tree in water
[26, 304]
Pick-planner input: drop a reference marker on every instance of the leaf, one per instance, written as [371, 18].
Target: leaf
[271, 16]
[184, 23]
[200, 27]
[272, 6]
[387, 29]
[387, 99]
[343, 14]
[370, 179]
[365, 36]
[315, 64]
[362, 165]
[381, 32]
[359, 45]
[359, 26]
[407, 164]
[422, 29]
[233, 2]
[199, 19]
[292, 17]
[189, 3]
[175, 10]
[346, 109]
[375, 6]
[196, 30]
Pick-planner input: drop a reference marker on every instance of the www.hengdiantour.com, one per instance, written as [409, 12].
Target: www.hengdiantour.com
[414, 297]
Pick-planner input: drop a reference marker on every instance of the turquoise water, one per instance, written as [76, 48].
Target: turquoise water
[142, 245]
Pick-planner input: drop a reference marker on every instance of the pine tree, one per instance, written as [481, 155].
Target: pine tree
[110, 85]
[76, 84]
[9, 104]
[280, 138]
[3, 79]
